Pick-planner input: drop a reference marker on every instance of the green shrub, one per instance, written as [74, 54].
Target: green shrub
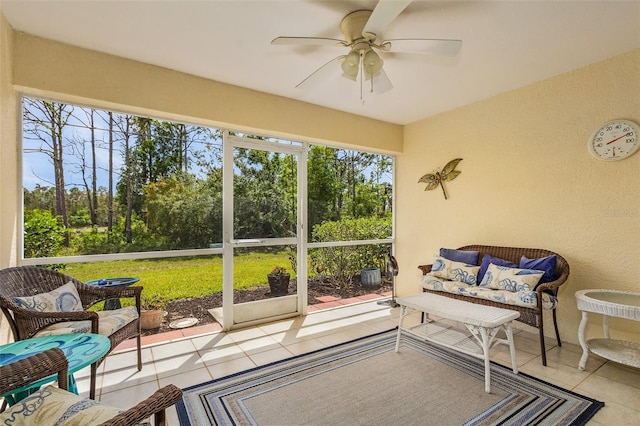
[43, 234]
[343, 263]
[97, 241]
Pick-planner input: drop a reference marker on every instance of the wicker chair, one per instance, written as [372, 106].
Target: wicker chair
[530, 316]
[52, 361]
[24, 281]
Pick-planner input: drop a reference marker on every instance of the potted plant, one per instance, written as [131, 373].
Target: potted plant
[152, 311]
[278, 281]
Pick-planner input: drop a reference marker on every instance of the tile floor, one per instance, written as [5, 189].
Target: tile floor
[190, 360]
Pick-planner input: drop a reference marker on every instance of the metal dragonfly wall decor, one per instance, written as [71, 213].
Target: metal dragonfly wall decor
[437, 177]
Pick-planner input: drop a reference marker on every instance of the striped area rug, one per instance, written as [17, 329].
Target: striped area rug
[365, 382]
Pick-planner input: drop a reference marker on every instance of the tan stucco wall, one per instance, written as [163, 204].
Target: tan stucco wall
[8, 148]
[528, 181]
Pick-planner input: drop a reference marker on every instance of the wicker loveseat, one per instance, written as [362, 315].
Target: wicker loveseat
[543, 296]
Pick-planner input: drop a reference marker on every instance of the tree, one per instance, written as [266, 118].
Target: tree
[185, 210]
[43, 122]
[263, 206]
[42, 198]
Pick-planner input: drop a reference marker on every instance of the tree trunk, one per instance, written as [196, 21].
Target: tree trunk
[110, 190]
[94, 172]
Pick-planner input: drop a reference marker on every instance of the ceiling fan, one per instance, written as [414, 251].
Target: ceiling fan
[362, 29]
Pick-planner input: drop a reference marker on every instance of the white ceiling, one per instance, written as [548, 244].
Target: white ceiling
[506, 44]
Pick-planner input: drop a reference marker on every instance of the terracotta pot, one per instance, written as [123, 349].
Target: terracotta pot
[279, 284]
[151, 319]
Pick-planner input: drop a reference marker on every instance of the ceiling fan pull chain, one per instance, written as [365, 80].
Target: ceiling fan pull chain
[361, 79]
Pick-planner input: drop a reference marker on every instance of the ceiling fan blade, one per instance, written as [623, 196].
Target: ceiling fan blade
[309, 41]
[321, 73]
[425, 46]
[385, 12]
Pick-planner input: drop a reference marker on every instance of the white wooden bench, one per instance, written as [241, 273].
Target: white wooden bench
[482, 321]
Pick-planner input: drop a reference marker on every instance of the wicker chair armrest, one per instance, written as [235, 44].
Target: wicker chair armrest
[33, 368]
[425, 269]
[551, 286]
[68, 315]
[152, 406]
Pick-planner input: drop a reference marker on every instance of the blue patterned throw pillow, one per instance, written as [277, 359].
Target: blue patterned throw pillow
[511, 279]
[456, 271]
[63, 299]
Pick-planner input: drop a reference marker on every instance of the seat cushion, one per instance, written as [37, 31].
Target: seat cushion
[108, 323]
[526, 299]
[52, 406]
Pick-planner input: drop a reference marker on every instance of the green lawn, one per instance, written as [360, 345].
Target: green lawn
[180, 277]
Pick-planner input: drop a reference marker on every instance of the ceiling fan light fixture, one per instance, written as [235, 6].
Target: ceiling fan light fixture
[372, 63]
[350, 65]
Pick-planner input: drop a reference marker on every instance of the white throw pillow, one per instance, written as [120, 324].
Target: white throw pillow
[511, 279]
[456, 271]
[62, 299]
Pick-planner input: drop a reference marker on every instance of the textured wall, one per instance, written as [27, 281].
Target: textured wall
[528, 181]
[8, 185]
[8, 148]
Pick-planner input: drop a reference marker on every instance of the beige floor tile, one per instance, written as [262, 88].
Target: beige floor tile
[169, 350]
[620, 373]
[212, 341]
[570, 355]
[188, 378]
[128, 397]
[272, 355]
[212, 356]
[232, 366]
[127, 376]
[607, 390]
[178, 364]
[172, 416]
[246, 334]
[304, 346]
[289, 325]
[259, 344]
[616, 414]
[291, 336]
[557, 373]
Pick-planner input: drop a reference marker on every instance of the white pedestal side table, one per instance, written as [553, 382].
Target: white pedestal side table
[609, 303]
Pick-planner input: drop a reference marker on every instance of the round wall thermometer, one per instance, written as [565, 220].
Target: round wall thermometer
[615, 140]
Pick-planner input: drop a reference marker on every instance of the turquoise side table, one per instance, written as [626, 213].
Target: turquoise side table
[81, 350]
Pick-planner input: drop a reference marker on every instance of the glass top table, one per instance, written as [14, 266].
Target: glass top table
[609, 303]
[112, 304]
